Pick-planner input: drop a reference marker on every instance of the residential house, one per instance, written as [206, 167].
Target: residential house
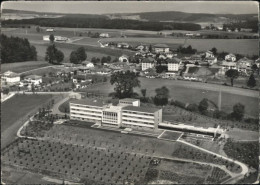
[88, 64]
[209, 54]
[230, 57]
[10, 77]
[104, 35]
[257, 62]
[123, 45]
[211, 60]
[123, 58]
[226, 66]
[244, 65]
[33, 79]
[161, 48]
[81, 78]
[173, 64]
[148, 63]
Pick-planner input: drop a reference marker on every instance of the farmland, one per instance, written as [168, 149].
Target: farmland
[23, 66]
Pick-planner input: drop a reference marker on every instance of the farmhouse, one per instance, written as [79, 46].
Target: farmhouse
[123, 58]
[161, 48]
[226, 66]
[209, 54]
[56, 38]
[10, 77]
[88, 64]
[230, 57]
[34, 79]
[173, 64]
[127, 113]
[49, 30]
[148, 63]
[123, 45]
[104, 35]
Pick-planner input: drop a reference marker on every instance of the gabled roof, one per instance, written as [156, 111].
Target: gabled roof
[231, 54]
[161, 46]
[10, 74]
[141, 109]
[34, 77]
[96, 103]
[224, 63]
[173, 60]
[148, 60]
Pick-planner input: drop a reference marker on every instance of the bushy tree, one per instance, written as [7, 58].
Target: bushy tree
[38, 29]
[162, 95]
[232, 74]
[124, 83]
[53, 55]
[74, 57]
[214, 50]
[51, 38]
[81, 52]
[203, 105]
[251, 81]
[238, 111]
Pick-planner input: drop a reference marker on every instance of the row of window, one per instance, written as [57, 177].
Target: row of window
[86, 106]
[138, 117]
[131, 121]
[110, 121]
[141, 114]
[77, 114]
[86, 111]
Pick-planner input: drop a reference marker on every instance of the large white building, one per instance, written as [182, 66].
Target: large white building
[10, 77]
[127, 113]
[161, 48]
[148, 63]
[34, 79]
[173, 64]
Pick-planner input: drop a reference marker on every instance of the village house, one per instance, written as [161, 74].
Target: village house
[33, 79]
[173, 64]
[81, 78]
[230, 57]
[211, 60]
[209, 54]
[257, 62]
[104, 35]
[88, 64]
[10, 77]
[123, 58]
[148, 63]
[244, 65]
[226, 66]
[123, 45]
[161, 48]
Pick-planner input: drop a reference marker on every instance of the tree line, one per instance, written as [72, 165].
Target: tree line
[15, 49]
[82, 22]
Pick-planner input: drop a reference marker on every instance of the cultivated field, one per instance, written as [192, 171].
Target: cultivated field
[18, 106]
[23, 66]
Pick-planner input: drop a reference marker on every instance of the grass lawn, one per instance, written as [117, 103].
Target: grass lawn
[193, 92]
[65, 107]
[18, 106]
[19, 67]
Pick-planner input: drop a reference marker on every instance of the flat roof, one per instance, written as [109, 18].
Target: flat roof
[141, 109]
[96, 103]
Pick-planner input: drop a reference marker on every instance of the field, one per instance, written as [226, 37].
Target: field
[181, 90]
[176, 172]
[77, 163]
[23, 66]
[243, 46]
[18, 106]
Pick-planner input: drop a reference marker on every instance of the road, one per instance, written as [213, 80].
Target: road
[55, 109]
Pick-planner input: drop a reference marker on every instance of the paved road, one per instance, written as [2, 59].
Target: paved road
[55, 109]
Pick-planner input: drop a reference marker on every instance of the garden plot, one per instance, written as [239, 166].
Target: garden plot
[170, 135]
[77, 163]
[217, 176]
[176, 172]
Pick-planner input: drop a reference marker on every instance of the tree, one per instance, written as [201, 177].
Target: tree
[38, 29]
[53, 55]
[238, 111]
[108, 59]
[254, 68]
[124, 83]
[203, 105]
[232, 74]
[59, 56]
[6, 91]
[52, 38]
[251, 81]
[81, 52]
[150, 48]
[214, 50]
[74, 57]
[162, 95]
[103, 60]
[143, 91]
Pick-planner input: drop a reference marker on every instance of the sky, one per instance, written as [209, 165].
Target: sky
[108, 7]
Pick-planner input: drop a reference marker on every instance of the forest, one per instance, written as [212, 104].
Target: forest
[15, 49]
[101, 22]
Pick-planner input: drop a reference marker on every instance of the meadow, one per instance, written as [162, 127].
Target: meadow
[19, 106]
[182, 90]
[19, 67]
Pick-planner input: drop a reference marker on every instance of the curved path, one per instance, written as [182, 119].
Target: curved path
[242, 165]
[56, 110]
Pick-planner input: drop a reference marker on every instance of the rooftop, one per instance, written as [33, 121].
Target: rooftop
[10, 74]
[96, 103]
[148, 60]
[161, 46]
[173, 60]
[34, 77]
[141, 109]
[129, 100]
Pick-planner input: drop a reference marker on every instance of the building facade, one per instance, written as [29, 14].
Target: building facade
[127, 113]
